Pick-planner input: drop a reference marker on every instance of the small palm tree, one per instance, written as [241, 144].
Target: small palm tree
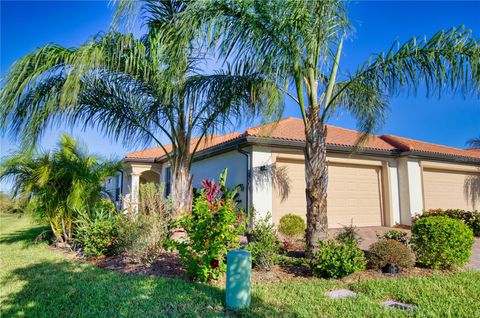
[55, 186]
[134, 90]
[298, 45]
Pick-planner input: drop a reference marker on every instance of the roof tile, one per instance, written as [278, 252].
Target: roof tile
[293, 129]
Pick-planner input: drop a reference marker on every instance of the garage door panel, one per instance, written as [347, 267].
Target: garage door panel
[449, 189]
[353, 194]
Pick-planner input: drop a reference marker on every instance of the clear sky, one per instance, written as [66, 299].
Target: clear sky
[450, 121]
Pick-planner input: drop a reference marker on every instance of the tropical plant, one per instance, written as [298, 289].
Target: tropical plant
[212, 229]
[298, 45]
[147, 90]
[96, 231]
[56, 185]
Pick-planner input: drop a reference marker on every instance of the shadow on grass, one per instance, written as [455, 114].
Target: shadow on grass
[73, 289]
[26, 237]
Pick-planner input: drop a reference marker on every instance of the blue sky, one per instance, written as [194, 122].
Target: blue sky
[450, 120]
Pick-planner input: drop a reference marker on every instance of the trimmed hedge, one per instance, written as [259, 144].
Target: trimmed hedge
[470, 218]
[442, 242]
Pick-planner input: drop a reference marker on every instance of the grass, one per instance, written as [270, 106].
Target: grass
[37, 281]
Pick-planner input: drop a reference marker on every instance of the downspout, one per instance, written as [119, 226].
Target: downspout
[247, 186]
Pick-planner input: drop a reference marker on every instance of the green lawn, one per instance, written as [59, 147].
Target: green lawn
[39, 282]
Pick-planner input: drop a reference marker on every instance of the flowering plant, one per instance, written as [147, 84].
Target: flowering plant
[212, 230]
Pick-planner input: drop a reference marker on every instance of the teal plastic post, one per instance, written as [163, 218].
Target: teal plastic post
[239, 273]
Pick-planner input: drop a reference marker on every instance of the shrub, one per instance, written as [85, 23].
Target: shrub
[291, 226]
[143, 233]
[470, 218]
[390, 252]
[395, 235]
[336, 259]
[264, 245]
[212, 230]
[442, 242]
[96, 232]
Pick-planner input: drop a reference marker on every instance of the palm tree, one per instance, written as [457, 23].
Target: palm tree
[56, 186]
[298, 45]
[474, 143]
[134, 90]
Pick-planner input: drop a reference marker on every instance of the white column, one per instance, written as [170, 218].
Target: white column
[134, 190]
[395, 192]
[410, 185]
[261, 191]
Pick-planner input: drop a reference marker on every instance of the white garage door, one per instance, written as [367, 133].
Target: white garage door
[354, 194]
[447, 189]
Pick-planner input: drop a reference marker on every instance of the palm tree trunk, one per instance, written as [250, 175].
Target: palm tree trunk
[316, 177]
[182, 191]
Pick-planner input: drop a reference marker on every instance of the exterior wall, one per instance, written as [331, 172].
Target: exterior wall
[261, 180]
[210, 168]
[387, 172]
[450, 186]
[410, 185]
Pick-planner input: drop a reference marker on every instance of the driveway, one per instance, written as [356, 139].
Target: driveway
[368, 236]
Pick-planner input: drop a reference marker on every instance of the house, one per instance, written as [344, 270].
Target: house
[386, 182]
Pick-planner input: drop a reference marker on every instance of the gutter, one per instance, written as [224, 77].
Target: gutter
[247, 186]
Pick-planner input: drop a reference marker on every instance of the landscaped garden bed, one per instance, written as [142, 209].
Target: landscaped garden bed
[38, 281]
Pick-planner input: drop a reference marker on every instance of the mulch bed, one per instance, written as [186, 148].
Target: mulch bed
[168, 265]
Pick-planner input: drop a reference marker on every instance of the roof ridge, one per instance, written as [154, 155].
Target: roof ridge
[416, 140]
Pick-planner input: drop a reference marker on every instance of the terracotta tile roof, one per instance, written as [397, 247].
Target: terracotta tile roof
[293, 129]
[210, 141]
[406, 144]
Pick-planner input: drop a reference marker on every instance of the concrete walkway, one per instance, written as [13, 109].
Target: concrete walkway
[368, 236]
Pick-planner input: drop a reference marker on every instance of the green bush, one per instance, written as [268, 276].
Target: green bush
[442, 242]
[337, 259]
[395, 235]
[470, 218]
[96, 232]
[212, 230]
[263, 243]
[291, 226]
[390, 252]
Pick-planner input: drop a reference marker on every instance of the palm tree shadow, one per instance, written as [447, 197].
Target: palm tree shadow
[75, 289]
[27, 237]
[471, 190]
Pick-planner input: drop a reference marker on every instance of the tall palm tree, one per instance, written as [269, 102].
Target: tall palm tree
[134, 90]
[298, 45]
[474, 143]
[55, 186]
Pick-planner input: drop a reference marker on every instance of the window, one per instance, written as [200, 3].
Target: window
[168, 181]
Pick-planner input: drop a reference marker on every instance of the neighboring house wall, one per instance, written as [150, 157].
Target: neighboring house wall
[212, 167]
